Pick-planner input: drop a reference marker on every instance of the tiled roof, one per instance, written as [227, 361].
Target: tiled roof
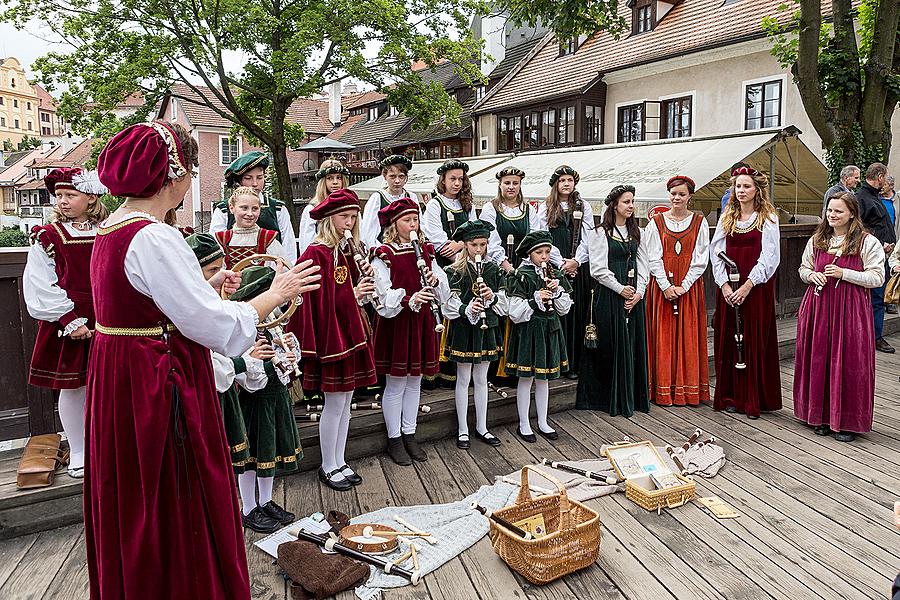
[367, 134]
[34, 184]
[47, 101]
[80, 153]
[355, 100]
[513, 56]
[18, 169]
[438, 132]
[312, 114]
[689, 27]
[11, 159]
[344, 127]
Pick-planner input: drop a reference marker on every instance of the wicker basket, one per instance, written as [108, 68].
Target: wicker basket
[572, 541]
[640, 490]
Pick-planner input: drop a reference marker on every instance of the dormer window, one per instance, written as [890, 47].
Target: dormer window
[643, 17]
[392, 111]
[373, 113]
[568, 46]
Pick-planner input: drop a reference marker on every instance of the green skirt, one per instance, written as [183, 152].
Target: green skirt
[613, 376]
[235, 432]
[467, 343]
[537, 349]
[272, 436]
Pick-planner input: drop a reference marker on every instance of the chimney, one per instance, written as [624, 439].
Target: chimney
[493, 29]
[350, 89]
[334, 103]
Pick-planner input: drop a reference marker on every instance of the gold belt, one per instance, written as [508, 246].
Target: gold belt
[157, 331]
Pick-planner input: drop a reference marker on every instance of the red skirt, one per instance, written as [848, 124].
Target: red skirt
[60, 363]
[407, 345]
[355, 370]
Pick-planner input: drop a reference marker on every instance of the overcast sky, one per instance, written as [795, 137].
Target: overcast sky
[25, 45]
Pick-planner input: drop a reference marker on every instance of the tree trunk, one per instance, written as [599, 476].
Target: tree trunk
[283, 180]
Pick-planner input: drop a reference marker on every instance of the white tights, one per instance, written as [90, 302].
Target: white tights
[71, 413]
[464, 374]
[400, 404]
[247, 483]
[541, 401]
[334, 425]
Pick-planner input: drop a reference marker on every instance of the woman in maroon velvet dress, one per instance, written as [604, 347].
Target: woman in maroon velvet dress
[834, 379]
[161, 512]
[748, 234]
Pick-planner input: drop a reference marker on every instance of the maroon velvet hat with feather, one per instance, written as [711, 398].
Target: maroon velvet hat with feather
[397, 209]
[337, 201]
[138, 161]
[60, 179]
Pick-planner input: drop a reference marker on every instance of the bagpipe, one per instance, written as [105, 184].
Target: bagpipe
[272, 327]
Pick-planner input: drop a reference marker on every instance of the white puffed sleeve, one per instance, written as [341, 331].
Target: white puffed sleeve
[519, 309]
[432, 226]
[807, 264]
[653, 245]
[770, 257]
[253, 379]
[587, 223]
[894, 261]
[599, 262]
[643, 268]
[44, 298]
[720, 272]
[563, 302]
[160, 265]
[391, 299]
[872, 275]
[442, 291]
[307, 231]
[369, 228]
[276, 249]
[218, 221]
[699, 257]
[288, 240]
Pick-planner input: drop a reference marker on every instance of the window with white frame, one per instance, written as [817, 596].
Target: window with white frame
[373, 113]
[392, 111]
[480, 91]
[229, 149]
[763, 105]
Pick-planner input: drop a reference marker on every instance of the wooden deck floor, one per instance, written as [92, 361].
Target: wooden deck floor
[816, 514]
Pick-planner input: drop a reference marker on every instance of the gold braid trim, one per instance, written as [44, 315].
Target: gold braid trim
[135, 331]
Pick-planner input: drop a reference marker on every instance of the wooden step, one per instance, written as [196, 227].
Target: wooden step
[31, 511]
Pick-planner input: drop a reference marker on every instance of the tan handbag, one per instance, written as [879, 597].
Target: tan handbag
[41, 458]
[892, 290]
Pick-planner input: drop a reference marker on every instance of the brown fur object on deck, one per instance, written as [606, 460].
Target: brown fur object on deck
[318, 575]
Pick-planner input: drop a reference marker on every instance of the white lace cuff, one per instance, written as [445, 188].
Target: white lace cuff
[72, 326]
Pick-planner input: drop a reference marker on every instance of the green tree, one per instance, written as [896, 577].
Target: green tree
[291, 49]
[28, 143]
[12, 237]
[848, 73]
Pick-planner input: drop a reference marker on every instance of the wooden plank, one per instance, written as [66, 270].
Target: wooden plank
[72, 580]
[780, 521]
[11, 552]
[34, 572]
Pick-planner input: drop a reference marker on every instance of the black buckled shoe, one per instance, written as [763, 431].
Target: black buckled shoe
[341, 485]
[488, 438]
[259, 521]
[397, 452]
[550, 435]
[730, 409]
[528, 437]
[412, 447]
[279, 514]
[353, 477]
[462, 441]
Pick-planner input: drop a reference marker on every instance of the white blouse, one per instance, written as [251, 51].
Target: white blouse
[253, 379]
[699, 257]
[599, 261]
[243, 238]
[520, 310]
[160, 265]
[219, 222]
[769, 258]
[369, 227]
[432, 226]
[894, 260]
[496, 246]
[587, 224]
[391, 298]
[44, 298]
[872, 254]
[307, 230]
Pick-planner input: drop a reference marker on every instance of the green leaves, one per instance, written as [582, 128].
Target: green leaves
[568, 18]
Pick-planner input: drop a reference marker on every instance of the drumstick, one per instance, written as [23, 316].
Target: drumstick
[313, 417]
[423, 534]
[369, 532]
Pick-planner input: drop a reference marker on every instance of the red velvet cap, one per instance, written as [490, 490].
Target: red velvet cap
[337, 201]
[745, 171]
[681, 179]
[60, 178]
[396, 209]
[138, 161]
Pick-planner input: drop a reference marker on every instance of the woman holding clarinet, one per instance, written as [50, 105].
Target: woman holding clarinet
[678, 253]
[745, 252]
[834, 380]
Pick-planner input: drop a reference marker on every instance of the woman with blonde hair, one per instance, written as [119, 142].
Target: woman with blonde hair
[331, 177]
[748, 236]
[834, 378]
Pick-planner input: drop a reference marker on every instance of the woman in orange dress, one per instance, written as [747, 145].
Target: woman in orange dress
[678, 251]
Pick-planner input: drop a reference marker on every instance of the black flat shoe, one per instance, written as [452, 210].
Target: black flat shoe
[397, 452]
[530, 438]
[260, 522]
[844, 436]
[822, 430]
[882, 345]
[276, 512]
[571, 375]
[753, 417]
[353, 477]
[462, 441]
[550, 435]
[412, 447]
[730, 409]
[341, 485]
[488, 438]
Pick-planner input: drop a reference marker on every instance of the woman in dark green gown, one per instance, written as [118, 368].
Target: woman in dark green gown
[614, 374]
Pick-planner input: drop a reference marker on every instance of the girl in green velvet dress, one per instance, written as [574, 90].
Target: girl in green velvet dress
[614, 374]
[537, 347]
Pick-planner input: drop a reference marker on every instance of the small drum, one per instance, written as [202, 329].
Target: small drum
[353, 536]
